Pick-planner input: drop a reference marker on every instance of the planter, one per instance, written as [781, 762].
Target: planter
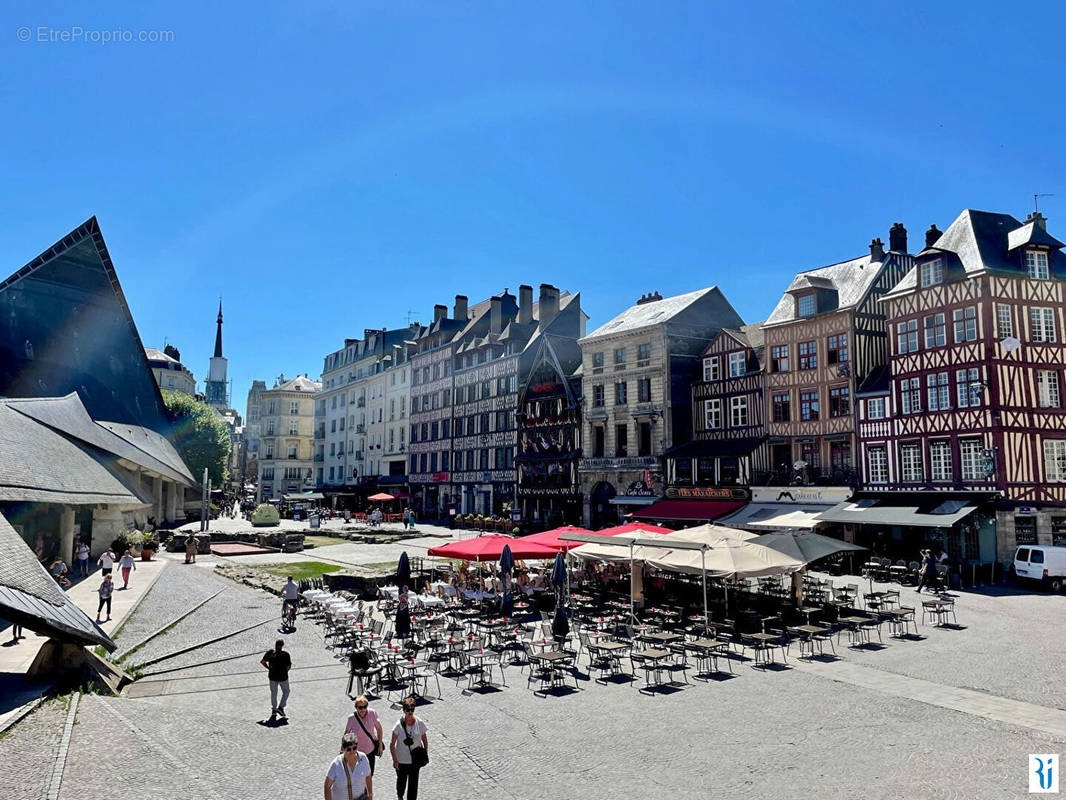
[146, 554]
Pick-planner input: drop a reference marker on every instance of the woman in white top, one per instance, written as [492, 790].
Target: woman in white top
[349, 774]
[81, 559]
[408, 735]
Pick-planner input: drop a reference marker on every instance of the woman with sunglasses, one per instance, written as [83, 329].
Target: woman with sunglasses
[410, 751]
[366, 726]
[349, 774]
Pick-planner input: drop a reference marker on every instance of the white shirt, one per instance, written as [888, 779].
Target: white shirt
[83, 551]
[291, 591]
[416, 731]
[106, 561]
[359, 775]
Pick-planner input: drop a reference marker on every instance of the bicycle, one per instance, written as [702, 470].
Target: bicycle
[288, 614]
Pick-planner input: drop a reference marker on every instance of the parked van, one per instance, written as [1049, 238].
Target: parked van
[1042, 563]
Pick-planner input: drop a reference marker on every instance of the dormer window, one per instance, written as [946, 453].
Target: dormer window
[737, 364]
[932, 272]
[1036, 264]
[805, 305]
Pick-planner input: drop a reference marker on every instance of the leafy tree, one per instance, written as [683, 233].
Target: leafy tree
[201, 435]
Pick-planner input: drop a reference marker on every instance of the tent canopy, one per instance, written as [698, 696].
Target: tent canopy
[806, 546]
[380, 497]
[726, 558]
[489, 548]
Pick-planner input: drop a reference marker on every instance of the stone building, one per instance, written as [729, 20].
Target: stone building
[169, 372]
[287, 421]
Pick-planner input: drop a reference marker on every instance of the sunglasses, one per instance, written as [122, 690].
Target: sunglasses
[350, 748]
[362, 708]
[409, 709]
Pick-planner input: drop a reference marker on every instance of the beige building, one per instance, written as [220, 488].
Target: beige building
[287, 419]
[169, 372]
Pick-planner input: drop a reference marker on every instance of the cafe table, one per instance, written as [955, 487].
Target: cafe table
[856, 630]
[765, 638]
[662, 637]
[613, 652]
[707, 652]
[807, 634]
[651, 661]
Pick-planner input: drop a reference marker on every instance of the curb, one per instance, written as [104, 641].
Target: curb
[26, 710]
[129, 650]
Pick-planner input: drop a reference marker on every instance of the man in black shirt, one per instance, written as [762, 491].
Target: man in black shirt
[278, 663]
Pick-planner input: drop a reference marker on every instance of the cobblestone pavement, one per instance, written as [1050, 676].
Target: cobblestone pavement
[27, 752]
[192, 726]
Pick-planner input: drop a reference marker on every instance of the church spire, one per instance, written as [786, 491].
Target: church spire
[218, 333]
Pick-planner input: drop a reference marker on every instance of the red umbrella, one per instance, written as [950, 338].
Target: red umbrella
[380, 498]
[633, 528]
[551, 538]
[490, 547]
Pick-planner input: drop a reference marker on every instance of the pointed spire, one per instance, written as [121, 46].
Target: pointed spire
[218, 333]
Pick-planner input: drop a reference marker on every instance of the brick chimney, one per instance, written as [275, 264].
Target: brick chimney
[877, 250]
[650, 297]
[496, 315]
[439, 312]
[525, 304]
[897, 238]
[1039, 219]
[932, 236]
[460, 312]
[549, 303]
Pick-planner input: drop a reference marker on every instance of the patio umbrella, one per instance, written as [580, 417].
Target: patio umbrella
[506, 567]
[381, 497]
[551, 538]
[560, 623]
[403, 571]
[806, 546]
[489, 548]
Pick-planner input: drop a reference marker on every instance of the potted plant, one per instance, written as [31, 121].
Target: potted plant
[134, 541]
[148, 549]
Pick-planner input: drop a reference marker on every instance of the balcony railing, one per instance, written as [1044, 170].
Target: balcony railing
[320, 433]
[618, 462]
[319, 457]
[360, 402]
[810, 476]
[360, 428]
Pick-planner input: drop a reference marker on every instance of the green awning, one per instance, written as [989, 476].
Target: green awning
[877, 512]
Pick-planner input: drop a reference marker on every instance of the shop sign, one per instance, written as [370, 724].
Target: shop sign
[826, 495]
[708, 493]
[440, 477]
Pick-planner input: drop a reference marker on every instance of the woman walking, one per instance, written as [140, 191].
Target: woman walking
[410, 750]
[349, 775]
[126, 563]
[366, 726]
[105, 590]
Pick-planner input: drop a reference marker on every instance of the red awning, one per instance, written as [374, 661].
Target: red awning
[694, 510]
[489, 548]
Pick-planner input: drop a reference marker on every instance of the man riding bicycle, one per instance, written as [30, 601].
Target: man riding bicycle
[290, 599]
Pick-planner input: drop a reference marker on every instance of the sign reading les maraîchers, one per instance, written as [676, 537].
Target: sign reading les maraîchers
[736, 493]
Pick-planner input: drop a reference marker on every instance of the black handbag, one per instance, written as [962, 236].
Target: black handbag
[419, 754]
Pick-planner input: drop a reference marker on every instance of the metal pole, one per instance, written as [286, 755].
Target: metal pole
[632, 600]
[703, 566]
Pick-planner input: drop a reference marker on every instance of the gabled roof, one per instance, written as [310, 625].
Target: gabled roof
[849, 279]
[159, 355]
[29, 596]
[1031, 234]
[646, 315]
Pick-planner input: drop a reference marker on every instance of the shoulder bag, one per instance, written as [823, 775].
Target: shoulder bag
[419, 754]
[369, 735]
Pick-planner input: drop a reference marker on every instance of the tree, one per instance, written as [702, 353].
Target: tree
[201, 435]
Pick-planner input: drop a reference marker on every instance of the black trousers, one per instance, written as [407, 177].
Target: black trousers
[932, 580]
[372, 757]
[407, 777]
[104, 601]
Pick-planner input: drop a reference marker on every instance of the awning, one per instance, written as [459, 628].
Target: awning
[625, 500]
[696, 510]
[877, 512]
[715, 447]
[300, 496]
[764, 516]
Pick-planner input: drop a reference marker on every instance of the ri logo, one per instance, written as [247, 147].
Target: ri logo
[1044, 773]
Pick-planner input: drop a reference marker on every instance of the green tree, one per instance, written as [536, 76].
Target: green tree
[201, 435]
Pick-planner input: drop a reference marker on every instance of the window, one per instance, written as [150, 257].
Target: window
[292, 451]
[809, 404]
[811, 453]
[333, 426]
[875, 408]
[712, 414]
[938, 392]
[1058, 531]
[619, 357]
[331, 473]
[877, 461]
[782, 406]
[932, 272]
[643, 355]
[597, 441]
[1036, 264]
[779, 358]
[597, 362]
[1042, 324]
[808, 355]
[907, 337]
[621, 441]
[432, 462]
[840, 455]
[935, 331]
[620, 393]
[965, 320]
[839, 401]
[644, 390]
[1004, 321]
[334, 404]
[837, 349]
[910, 459]
[294, 427]
[940, 461]
[1055, 460]
[483, 459]
[1047, 384]
[968, 387]
[712, 369]
[910, 396]
[805, 305]
[737, 365]
[971, 459]
[738, 412]
[644, 442]
[597, 395]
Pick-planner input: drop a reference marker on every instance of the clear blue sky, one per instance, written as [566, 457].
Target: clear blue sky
[328, 166]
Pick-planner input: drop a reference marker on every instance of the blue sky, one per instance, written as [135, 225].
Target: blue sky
[330, 166]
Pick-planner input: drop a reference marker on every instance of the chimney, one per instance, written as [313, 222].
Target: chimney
[460, 312]
[932, 236]
[897, 238]
[1039, 219]
[877, 250]
[439, 312]
[525, 304]
[650, 297]
[549, 303]
[496, 315]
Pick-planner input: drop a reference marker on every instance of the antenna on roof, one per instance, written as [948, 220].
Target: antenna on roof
[1036, 198]
[410, 315]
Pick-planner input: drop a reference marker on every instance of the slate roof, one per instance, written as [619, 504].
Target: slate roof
[850, 279]
[1031, 233]
[30, 596]
[645, 315]
[159, 355]
[878, 382]
[298, 384]
[158, 447]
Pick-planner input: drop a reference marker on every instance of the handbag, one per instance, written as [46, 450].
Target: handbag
[419, 754]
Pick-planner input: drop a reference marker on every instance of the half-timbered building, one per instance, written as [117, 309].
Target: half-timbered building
[826, 334]
[976, 355]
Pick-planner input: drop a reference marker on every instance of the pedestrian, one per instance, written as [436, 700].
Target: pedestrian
[366, 726]
[105, 590]
[81, 559]
[16, 633]
[410, 750]
[403, 614]
[126, 563]
[278, 664]
[107, 561]
[929, 575]
[350, 776]
[59, 572]
[190, 549]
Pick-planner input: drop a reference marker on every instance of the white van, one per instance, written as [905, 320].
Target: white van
[1042, 563]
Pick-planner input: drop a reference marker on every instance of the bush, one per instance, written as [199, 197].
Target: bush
[119, 544]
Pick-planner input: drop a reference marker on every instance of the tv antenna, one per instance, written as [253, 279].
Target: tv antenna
[411, 314]
[1036, 201]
